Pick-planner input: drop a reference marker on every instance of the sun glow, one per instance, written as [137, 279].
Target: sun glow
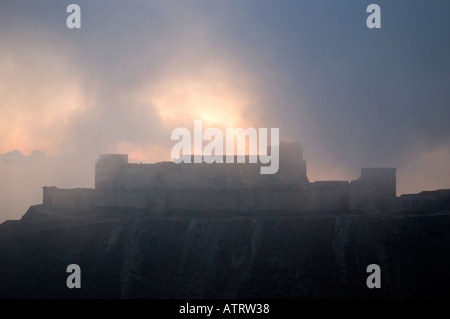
[214, 97]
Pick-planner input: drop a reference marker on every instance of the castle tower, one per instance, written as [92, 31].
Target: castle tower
[381, 181]
[375, 190]
[292, 165]
[108, 171]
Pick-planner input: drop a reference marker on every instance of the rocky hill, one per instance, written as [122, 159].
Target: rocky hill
[129, 254]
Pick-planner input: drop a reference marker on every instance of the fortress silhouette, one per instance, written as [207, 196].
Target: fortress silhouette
[228, 187]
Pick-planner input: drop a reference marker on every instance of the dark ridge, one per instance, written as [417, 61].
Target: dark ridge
[128, 253]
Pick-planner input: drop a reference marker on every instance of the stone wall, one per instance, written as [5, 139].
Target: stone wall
[330, 195]
[235, 187]
[114, 173]
[78, 198]
[431, 201]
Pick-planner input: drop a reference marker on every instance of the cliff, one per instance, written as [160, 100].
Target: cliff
[129, 254]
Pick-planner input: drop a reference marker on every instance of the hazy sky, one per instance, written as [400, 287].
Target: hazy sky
[136, 70]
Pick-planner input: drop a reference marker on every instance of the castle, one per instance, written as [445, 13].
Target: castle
[238, 187]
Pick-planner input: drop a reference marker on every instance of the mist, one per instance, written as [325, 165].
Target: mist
[135, 71]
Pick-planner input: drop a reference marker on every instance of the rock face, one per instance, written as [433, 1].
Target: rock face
[128, 254]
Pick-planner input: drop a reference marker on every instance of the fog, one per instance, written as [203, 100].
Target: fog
[136, 70]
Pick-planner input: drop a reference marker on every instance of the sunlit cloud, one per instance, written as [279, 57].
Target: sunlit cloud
[213, 94]
[150, 153]
[40, 93]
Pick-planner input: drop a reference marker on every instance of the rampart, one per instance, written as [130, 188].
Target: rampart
[237, 187]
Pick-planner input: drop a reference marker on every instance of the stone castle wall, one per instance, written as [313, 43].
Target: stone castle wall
[78, 198]
[236, 187]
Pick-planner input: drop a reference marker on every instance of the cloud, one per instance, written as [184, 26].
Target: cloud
[40, 92]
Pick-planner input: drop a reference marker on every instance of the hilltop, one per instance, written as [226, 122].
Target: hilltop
[127, 253]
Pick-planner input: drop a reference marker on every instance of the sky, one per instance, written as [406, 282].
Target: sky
[135, 70]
